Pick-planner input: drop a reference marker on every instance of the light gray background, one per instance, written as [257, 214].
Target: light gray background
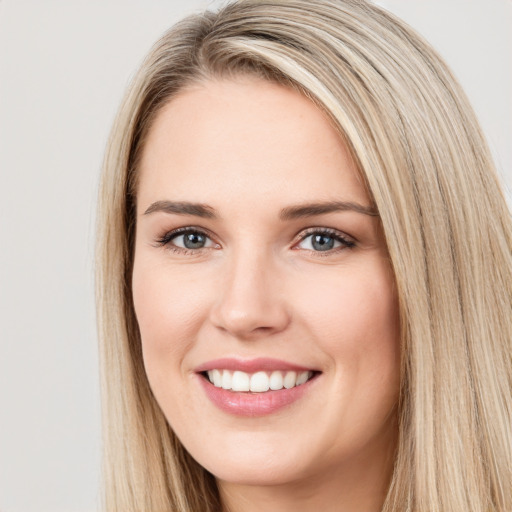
[63, 67]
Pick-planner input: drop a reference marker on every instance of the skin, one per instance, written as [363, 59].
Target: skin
[259, 288]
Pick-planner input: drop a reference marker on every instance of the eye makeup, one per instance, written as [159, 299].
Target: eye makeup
[190, 240]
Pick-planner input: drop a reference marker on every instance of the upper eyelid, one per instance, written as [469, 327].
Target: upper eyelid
[187, 229]
[330, 231]
[335, 233]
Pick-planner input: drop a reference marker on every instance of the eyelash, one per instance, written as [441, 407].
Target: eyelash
[346, 243]
[165, 241]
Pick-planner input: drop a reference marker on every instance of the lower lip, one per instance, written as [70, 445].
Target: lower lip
[253, 404]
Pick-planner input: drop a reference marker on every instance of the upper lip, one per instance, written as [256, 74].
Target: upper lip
[250, 365]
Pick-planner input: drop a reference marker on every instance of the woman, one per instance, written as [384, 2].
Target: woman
[305, 280]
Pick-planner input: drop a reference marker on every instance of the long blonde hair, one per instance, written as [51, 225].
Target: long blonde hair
[427, 167]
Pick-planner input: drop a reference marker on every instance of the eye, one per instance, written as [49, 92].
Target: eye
[191, 240]
[186, 240]
[324, 240]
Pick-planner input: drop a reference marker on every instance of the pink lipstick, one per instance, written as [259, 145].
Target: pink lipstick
[254, 387]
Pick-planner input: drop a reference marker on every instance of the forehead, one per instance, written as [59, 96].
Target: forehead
[245, 140]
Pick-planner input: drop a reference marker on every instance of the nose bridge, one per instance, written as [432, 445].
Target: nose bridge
[250, 300]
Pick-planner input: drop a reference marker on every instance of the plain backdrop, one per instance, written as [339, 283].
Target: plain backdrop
[63, 67]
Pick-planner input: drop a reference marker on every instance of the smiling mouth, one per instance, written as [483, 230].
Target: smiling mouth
[257, 382]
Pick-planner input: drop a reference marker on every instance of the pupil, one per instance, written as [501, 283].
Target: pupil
[323, 242]
[194, 241]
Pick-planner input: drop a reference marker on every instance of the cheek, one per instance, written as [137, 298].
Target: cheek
[169, 308]
[354, 306]
[355, 320]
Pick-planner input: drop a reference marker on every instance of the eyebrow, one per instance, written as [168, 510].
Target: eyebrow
[312, 209]
[288, 213]
[182, 208]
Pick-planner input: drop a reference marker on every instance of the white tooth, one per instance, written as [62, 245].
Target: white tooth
[276, 381]
[302, 378]
[226, 379]
[290, 379]
[259, 382]
[217, 378]
[210, 375]
[240, 381]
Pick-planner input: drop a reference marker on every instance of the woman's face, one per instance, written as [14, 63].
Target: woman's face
[258, 261]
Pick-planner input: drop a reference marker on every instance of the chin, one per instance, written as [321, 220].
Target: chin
[257, 472]
[259, 459]
[244, 457]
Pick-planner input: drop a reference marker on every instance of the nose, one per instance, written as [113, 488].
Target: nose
[251, 302]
